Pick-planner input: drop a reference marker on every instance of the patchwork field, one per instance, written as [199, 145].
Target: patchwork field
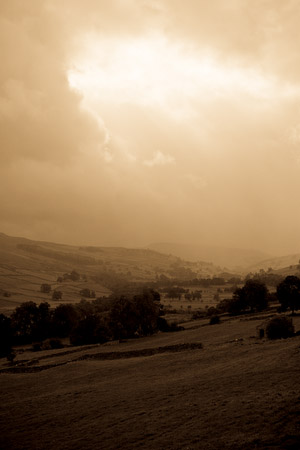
[25, 265]
[159, 392]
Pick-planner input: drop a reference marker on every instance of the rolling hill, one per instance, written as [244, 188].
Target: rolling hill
[282, 263]
[26, 264]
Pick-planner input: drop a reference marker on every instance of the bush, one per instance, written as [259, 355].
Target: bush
[211, 311]
[165, 326]
[36, 347]
[280, 327]
[52, 343]
[48, 344]
[198, 315]
[214, 320]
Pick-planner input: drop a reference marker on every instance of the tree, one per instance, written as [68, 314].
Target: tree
[123, 318]
[5, 336]
[43, 325]
[45, 288]
[280, 327]
[288, 293]
[147, 308]
[256, 295]
[31, 322]
[64, 319]
[74, 276]
[90, 330]
[57, 295]
[88, 293]
[137, 316]
[253, 296]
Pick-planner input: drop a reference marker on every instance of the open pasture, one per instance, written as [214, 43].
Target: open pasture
[237, 392]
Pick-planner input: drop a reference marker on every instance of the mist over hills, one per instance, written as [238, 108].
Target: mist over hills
[239, 261]
[231, 258]
[280, 263]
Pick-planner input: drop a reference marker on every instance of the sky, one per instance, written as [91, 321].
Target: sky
[126, 122]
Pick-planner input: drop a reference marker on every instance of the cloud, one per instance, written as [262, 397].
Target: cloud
[159, 159]
[197, 182]
[213, 86]
[40, 117]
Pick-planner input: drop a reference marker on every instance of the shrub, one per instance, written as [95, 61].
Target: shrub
[198, 315]
[211, 311]
[52, 343]
[214, 320]
[48, 344]
[280, 327]
[165, 326]
[36, 347]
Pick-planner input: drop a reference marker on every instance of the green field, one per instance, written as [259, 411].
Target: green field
[237, 392]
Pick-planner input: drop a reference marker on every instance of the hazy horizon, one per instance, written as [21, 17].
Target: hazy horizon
[128, 122]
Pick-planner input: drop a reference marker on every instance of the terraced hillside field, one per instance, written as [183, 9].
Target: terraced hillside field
[25, 265]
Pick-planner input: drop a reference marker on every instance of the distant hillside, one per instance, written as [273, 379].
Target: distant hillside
[26, 264]
[233, 259]
[282, 263]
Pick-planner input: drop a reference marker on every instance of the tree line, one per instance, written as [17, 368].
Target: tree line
[87, 322]
[254, 296]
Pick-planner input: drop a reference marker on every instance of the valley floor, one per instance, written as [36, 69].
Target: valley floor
[237, 392]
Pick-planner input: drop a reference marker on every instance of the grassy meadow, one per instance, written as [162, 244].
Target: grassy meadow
[237, 392]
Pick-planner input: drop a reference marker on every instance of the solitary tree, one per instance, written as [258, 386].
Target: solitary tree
[57, 295]
[45, 288]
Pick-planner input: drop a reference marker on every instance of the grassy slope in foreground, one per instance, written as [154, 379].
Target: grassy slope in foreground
[237, 392]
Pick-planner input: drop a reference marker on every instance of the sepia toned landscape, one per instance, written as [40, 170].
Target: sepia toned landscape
[149, 227]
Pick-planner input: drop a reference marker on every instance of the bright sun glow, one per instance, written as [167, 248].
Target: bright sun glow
[155, 71]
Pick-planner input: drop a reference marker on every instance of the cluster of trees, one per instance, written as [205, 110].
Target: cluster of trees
[178, 291]
[85, 322]
[47, 288]
[269, 278]
[88, 293]
[254, 296]
[72, 276]
[164, 281]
